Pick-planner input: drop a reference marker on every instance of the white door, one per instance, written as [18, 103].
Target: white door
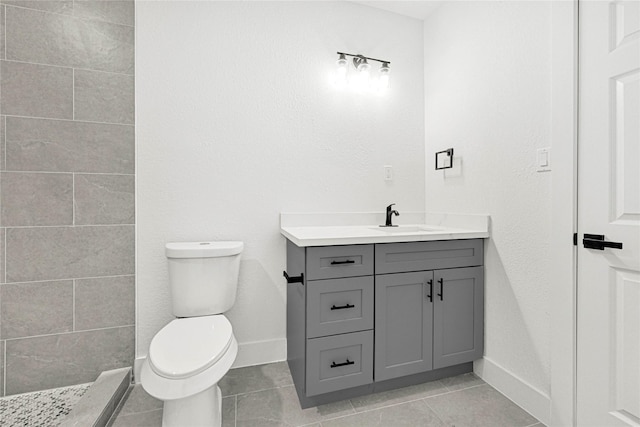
[608, 307]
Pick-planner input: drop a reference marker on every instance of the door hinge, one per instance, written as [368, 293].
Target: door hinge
[575, 239]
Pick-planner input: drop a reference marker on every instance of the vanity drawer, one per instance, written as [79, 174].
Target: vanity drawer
[418, 256]
[328, 262]
[339, 362]
[338, 306]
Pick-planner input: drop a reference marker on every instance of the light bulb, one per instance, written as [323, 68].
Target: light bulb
[384, 75]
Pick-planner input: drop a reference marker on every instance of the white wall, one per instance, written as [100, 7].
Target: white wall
[488, 95]
[236, 122]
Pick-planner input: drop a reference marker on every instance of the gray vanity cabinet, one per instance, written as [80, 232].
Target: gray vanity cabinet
[404, 324]
[367, 318]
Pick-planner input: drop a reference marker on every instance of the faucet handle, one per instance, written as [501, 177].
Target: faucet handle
[389, 207]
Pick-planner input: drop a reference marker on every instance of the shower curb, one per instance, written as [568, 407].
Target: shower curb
[98, 404]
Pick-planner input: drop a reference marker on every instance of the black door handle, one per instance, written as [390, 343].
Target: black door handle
[441, 294]
[596, 241]
[430, 296]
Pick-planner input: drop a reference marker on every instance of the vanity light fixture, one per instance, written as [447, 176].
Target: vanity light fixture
[362, 80]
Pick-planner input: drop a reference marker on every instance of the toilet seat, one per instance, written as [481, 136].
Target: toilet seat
[188, 346]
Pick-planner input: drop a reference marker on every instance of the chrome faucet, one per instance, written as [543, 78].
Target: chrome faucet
[390, 212]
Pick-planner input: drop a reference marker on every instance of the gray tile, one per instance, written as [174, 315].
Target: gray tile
[73, 358]
[2, 368]
[56, 6]
[104, 199]
[117, 12]
[47, 38]
[103, 97]
[280, 407]
[460, 382]
[29, 309]
[36, 199]
[36, 90]
[2, 144]
[400, 395]
[411, 414]
[229, 411]
[69, 252]
[479, 406]
[140, 419]
[66, 146]
[1, 31]
[254, 378]
[104, 302]
[2, 269]
[139, 401]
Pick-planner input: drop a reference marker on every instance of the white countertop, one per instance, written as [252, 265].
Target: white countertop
[324, 229]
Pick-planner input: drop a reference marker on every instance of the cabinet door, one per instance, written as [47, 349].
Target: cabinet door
[458, 316]
[403, 324]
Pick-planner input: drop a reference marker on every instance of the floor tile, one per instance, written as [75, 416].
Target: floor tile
[139, 400]
[479, 406]
[411, 414]
[392, 397]
[255, 378]
[462, 381]
[229, 411]
[140, 419]
[280, 407]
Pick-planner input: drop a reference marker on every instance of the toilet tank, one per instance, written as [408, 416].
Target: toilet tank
[203, 276]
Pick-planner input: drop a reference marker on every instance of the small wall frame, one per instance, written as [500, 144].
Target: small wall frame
[444, 159]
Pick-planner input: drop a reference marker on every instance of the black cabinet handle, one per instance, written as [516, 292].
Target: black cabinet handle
[430, 296]
[441, 294]
[294, 279]
[348, 261]
[596, 241]
[348, 362]
[333, 307]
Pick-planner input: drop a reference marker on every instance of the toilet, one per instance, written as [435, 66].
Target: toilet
[188, 357]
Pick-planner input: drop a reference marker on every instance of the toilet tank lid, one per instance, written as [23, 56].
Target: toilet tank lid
[203, 249]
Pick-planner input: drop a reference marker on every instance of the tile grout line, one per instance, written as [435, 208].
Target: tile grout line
[69, 172]
[73, 278]
[68, 332]
[434, 411]
[60, 119]
[44, 64]
[73, 305]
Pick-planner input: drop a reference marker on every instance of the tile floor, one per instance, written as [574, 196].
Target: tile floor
[263, 395]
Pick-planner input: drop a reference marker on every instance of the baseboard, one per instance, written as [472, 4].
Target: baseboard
[249, 354]
[260, 352]
[523, 394]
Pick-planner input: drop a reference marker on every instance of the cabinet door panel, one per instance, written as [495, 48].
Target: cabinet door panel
[403, 324]
[458, 316]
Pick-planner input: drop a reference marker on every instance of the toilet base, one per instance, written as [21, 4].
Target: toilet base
[203, 409]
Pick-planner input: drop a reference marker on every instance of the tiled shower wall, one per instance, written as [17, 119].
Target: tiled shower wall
[66, 191]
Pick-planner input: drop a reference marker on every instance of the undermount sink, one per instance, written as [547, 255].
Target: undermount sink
[406, 229]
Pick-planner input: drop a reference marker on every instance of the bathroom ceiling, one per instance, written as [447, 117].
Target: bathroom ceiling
[415, 9]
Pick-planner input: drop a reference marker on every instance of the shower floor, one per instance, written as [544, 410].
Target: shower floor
[40, 408]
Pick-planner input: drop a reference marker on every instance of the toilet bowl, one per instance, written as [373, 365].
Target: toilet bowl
[188, 357]
[186, 360]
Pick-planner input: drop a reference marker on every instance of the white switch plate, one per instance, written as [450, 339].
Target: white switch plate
[543, 159]
[388, 173]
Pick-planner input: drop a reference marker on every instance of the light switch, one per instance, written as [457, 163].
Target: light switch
[543, 157]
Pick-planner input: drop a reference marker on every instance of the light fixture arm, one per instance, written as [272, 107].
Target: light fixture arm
[361, 57]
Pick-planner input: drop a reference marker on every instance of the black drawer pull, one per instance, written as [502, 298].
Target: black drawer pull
[348, 362]
[348, 261]
[333, 307]
[294, 279]
[441, 281]
[430, 296]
